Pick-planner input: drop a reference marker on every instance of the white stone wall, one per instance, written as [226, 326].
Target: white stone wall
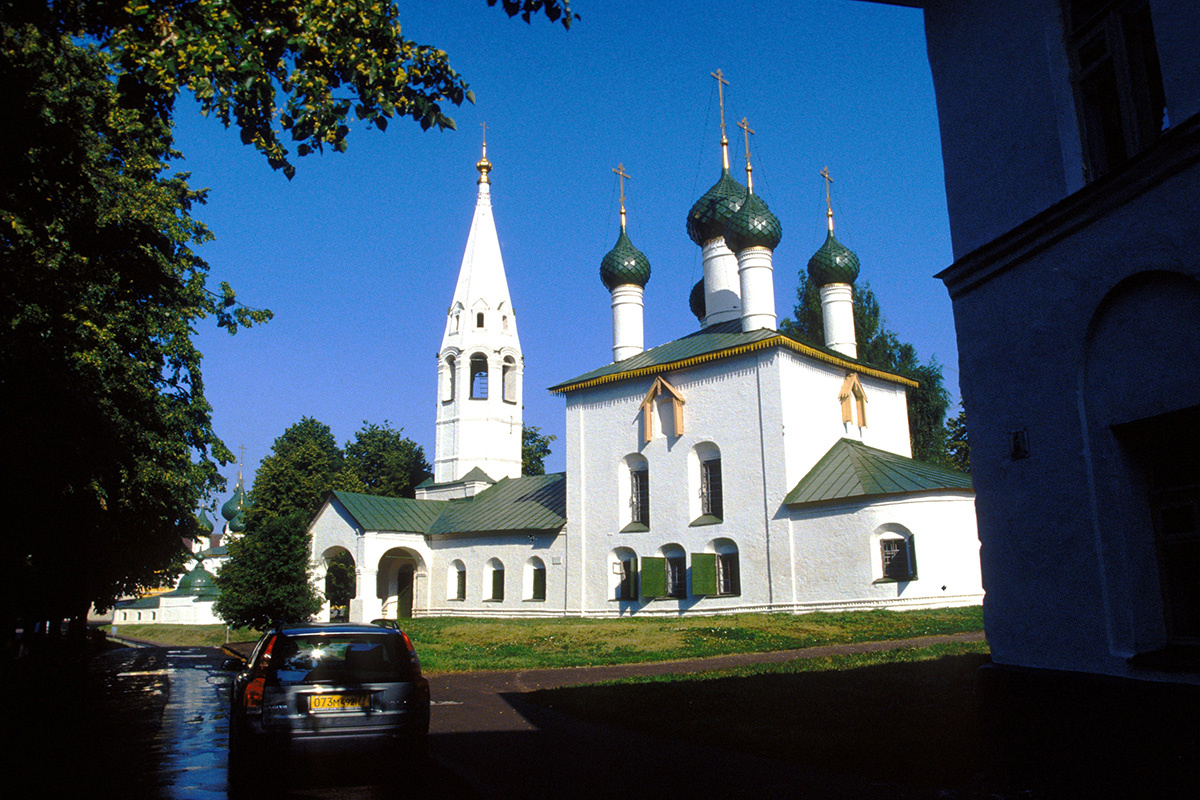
[513, 551]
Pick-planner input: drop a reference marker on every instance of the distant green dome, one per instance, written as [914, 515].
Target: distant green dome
[833, 263]
[238, 524]
[624, 264]
[203, 524]
[234, 504]
[753, 226]
[696, 300]
[708, 216]
[198, 583]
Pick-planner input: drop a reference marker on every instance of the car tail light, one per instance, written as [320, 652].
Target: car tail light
[253, 697]
[412, 653]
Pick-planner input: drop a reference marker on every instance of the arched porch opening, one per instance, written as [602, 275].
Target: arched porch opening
[400, 570]
[338, 583]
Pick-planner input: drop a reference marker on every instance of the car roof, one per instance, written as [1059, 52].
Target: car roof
[335, 627]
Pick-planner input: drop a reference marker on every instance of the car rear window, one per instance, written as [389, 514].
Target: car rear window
[337, 659]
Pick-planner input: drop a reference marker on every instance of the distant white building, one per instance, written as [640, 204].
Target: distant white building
[1071, 140]
[734, 469]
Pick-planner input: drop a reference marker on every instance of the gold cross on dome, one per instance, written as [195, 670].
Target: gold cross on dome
[745, 126]
[721, 83]
[622, 175]
[828, 201]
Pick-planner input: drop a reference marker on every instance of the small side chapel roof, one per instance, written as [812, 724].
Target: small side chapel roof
[723, 340]
[852, 469]
[475, 475]
[375, 513]
[527, 503]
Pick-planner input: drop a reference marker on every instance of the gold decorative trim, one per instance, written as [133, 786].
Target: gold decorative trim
[774, 341]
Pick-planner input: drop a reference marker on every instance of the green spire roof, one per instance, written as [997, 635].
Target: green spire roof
[624, 264]
[696, 300]
[708, 216]
[234, 504]
[833, 263]
[203, 524]
[753, 226]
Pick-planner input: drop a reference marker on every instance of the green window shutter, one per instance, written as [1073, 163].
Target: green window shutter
[654, 576]
[539, 584]
[704, 573]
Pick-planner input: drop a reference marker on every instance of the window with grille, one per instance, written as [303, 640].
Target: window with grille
[640, 496]
[1118, 80]
[897, 556]
[710, 488]
[728, 581]
[676, 576]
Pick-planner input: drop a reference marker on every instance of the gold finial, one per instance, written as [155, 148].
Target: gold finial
[620, 170]
[721, 83]
[828, 201]
[484, 166]
[745, 126]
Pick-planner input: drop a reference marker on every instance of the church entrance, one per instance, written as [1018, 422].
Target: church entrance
[399, 572]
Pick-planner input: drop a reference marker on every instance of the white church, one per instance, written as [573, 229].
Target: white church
[731, 470]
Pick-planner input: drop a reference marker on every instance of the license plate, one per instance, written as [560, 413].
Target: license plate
[323, 703]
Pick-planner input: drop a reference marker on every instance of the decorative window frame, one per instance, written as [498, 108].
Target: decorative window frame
[854, 401]
[661, 392]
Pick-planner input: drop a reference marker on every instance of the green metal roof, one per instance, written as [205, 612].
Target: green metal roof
[375, 513]
[851, 469]
[475, 475]
[528, 503]
[723, 340]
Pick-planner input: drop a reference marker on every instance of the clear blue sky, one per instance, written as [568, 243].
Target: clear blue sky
[358, 255]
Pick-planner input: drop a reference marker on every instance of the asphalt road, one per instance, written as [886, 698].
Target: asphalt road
[151, 723]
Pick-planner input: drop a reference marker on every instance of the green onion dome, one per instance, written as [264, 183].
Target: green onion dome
[696, 300]
[234, 504]
[624, 264]
[198, 583]
[708, 216]
[238, 524]
[833, 263]
[204, 525]
[753, 226]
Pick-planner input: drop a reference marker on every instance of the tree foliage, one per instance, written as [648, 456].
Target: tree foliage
[877, 345]
[385, 461]
[268, 579]
[305, 464]
[958, 445]
[535, 448]
[279, 70]
[102, 407]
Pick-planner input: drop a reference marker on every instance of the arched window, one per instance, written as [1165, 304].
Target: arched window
[479, 319]
[897, 558]
[535, 579]
[494, 580]
[633, 493]
[707, 504]
[665, 575]
[623, 581]
[509, 379]
[451, 367]
[456, 581]
[716, 571]
[479, 377]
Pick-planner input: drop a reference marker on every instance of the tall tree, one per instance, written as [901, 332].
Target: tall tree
[386, 461]
[304, 465]
[102, 401]
[535, 448]
[877, 345]
[958, 444]
[268, 578]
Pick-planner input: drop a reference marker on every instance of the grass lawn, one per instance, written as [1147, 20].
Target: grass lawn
[455, 644]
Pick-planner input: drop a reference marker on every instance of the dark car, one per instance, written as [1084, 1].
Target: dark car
[334, 690]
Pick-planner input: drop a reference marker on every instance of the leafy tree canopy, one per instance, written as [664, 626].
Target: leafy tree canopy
[535, 448]
[278, 69]
[305, 464]
[102, 403]
[927, 404]
[385, 461]
[958, 445]
[268, 580]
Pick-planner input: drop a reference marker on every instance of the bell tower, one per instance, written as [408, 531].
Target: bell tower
[480, 363]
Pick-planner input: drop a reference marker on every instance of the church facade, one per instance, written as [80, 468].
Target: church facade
[734, 469]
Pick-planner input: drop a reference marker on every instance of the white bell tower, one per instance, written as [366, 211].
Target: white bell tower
[480, 363]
